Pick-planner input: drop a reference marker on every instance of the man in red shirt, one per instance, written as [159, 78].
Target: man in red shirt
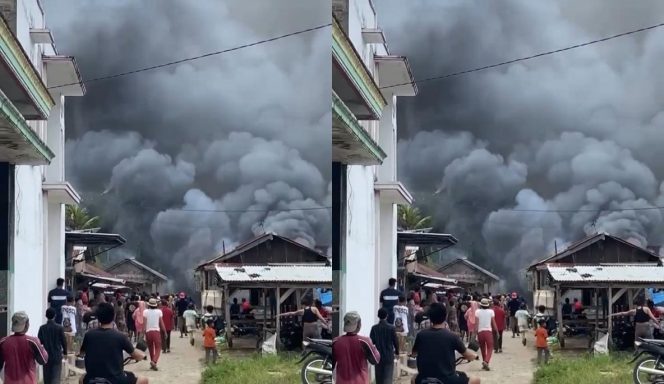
[352, 353]
[500, 326]
[20, 354]
[168, 325]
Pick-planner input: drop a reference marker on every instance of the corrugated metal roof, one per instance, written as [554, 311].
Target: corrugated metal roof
[277, 273]
[608, 273]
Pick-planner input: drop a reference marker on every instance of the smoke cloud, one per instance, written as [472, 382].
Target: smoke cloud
[190, 159]
[490, 154]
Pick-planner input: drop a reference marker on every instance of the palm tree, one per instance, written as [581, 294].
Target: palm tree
[78, 218]
[410, 218]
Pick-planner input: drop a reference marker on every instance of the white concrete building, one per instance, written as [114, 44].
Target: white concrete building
[33, 189]
[364, 141]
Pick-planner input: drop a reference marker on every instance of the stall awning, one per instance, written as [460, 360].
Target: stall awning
[635, 274]
[275, 273]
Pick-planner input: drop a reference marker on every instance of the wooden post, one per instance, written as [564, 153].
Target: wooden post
[264, 292]
[559, 315]
[595, 292]
[227, 311]
[609, 324]
[277, 319]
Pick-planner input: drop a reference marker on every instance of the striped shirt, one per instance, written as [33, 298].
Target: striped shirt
[19, 356]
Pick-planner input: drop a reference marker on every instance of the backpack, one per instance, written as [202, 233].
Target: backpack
[398, 324]
[66, 324]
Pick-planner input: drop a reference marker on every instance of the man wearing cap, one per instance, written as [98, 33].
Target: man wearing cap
[20, 353]
[181, 305]
[352, 353]
[154, 326]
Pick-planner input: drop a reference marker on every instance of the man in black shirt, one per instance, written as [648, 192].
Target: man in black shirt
[52, 337]
[182, 305]
[57, 297]
[384, 337]
[435, 350]
[567, 309]
[514, 305]
[235, 309]
[389, 297]
[103, 348]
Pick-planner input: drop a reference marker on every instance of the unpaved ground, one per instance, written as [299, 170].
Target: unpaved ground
[183, 365]
[514, 366]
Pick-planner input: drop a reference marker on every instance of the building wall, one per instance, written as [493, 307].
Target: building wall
[370, 243]
[38, 254]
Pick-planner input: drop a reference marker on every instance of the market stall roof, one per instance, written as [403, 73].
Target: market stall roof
[641, 274]
[113, 287]
[423, 239]
[275, 273]
[88, 238]
[425, 272]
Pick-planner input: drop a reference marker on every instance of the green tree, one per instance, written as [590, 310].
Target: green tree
[410, 218]
[78, 218]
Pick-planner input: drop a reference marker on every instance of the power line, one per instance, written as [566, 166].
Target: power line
[526, 58]
[194, 57]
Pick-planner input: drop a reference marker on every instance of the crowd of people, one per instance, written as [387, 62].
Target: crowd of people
[79, 323]
[435, 328]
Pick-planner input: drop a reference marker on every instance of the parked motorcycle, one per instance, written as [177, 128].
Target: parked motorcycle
[473, 346]
[648, 369]
[316, 362]
[622, 335]
[290, 335]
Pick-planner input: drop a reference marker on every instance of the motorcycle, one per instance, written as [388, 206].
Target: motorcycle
[648, 369]
[80, 363]
[473, 346]
[316, 362]
[622, 335]
[291, 335]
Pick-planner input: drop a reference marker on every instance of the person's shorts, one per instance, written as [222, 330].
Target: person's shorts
[191, 328]
[523, 328]
[129, 378]
[180, 322]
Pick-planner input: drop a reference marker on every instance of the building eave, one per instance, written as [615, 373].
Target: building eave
[345, 56]
[15, 64]
[395, 75]
[62, 193]
[394, 192]
[63, 73]
[351, 143]
[21, 144]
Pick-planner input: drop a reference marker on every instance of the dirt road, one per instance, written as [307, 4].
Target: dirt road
[183, 365]
[514, 366]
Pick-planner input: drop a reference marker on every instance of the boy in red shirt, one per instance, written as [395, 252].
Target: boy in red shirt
[500, 326]
[541, 334]
[209, 334]
[168, 325]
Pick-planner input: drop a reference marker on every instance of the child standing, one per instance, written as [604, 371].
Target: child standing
[541, 334]
[209, 334]
[522, 316]
[190, 317]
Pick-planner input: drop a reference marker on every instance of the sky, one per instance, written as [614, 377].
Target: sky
[184, 161]
[579, 132]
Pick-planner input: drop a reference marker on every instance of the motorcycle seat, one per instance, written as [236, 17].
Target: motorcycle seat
[654, 341]
[321, 341]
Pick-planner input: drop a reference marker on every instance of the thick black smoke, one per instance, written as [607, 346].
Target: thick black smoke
[187, 159]
[489, 153]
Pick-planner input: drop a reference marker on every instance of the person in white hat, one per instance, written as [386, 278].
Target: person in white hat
[486, 324]
[154, 326]
[20, 353]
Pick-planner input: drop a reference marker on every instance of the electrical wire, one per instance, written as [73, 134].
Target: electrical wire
[525, 58]
[132, 72]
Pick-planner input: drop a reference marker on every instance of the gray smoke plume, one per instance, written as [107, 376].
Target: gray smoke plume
[490, 154]
[190, 159]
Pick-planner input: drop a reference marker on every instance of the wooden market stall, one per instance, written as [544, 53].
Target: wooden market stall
[269, 271]
[604, 273]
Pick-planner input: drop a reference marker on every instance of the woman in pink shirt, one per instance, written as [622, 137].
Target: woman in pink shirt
[471, 320]
[139, 321]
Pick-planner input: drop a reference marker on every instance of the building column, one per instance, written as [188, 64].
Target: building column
[338, 241]
[6, 241]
